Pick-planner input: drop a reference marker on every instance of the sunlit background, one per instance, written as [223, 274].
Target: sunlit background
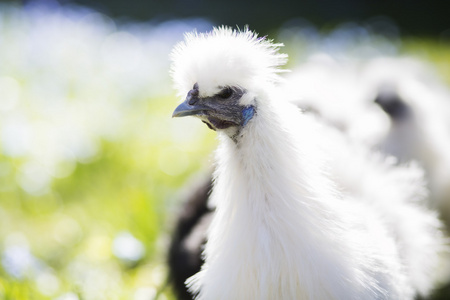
[92, 167]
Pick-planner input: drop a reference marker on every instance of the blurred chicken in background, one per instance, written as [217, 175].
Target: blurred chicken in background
[397, 105]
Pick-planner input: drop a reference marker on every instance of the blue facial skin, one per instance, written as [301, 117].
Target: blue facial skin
[247, 114]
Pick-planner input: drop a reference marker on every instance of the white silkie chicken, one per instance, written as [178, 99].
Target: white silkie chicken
[301, 213]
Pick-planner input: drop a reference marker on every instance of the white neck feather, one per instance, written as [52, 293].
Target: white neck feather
[281, 230]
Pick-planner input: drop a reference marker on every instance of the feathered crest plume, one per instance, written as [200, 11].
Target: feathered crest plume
[225, 57]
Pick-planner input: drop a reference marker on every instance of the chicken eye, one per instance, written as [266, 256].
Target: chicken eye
[225, 93]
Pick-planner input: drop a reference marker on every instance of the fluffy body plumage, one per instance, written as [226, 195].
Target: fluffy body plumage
[290, 222]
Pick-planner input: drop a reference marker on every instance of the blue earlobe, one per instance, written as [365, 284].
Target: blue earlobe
[247, 114]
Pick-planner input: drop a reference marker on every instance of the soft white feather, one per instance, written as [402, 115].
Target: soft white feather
[290, 222]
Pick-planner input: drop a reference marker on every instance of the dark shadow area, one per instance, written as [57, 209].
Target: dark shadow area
[415, 17]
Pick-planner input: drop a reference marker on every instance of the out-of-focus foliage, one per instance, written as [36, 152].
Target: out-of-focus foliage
[91, 160]
[432, 51]
[91, 163]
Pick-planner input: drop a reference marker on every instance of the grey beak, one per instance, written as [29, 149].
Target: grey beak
[184, 109]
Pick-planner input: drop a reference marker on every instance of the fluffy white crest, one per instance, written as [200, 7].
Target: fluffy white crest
[225, 57]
